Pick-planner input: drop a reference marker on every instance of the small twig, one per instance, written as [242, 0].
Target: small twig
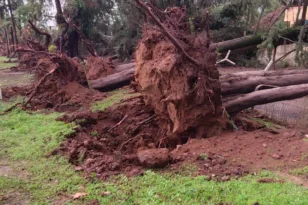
[285, 55]
[131, 139]
[12, 56]
[147, 120]
[118, 123]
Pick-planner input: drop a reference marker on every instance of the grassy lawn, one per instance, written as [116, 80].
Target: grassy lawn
[26, 139]
[4, 65]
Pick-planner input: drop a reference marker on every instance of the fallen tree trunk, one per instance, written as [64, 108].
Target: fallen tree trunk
[242, 42]
[266, 96]
[246, 74]
[123, 67]
[113, 81]
[249, 84]
[243, 82]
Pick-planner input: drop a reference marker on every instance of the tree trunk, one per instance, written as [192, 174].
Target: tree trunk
[7, 39]
[247, 74]
[266, 96]
[12, 37]
[113, 81]
[242, 85]
[242, 42]
[305, 4]
[15, 39]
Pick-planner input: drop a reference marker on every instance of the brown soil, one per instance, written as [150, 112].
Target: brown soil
[58, 86]
[185, 95]
[98, 67]
[105, 147]
[70, 97]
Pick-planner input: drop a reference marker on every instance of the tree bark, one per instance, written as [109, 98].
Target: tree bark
[15, 39]
[266, 96]
[247, 74]
[305, 4]
[242, 42]
[246, 85]
[7, 39]
[231, 84]
[12, 37]
[113, 81]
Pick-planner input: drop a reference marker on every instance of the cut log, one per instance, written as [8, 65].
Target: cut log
[122, 67]
[246, 74]
[113, 81]
[246, 85]
[266, 96]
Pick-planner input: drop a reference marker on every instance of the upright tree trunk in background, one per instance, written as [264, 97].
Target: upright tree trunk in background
[12, 36]
[305, 4]
[298, 12]
[71, 47]
[7, 39]
[13, 23]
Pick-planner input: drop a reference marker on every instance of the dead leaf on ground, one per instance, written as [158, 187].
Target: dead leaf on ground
[79, 195]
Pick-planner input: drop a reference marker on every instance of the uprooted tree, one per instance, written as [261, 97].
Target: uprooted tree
[177, 75]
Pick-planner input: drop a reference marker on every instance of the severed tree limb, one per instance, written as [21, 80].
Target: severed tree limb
[167, 33]
[47, 35]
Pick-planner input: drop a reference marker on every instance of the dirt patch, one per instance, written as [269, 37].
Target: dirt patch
[241, 151]
[108, 143]
[15, 198]
[70, 97]
[98, 67]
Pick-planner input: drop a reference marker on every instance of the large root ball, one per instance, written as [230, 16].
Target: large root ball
[186, 97]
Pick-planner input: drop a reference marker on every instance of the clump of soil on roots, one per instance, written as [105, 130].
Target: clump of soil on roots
[60, 85]
[185, 95]
[98, 67]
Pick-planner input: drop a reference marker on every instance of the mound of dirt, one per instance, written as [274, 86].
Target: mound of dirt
[59, 84]
[107, 142]
[98, 67]
[185, 95]
[70, 97]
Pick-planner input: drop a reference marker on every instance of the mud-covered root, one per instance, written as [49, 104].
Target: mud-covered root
[185, 95]
[98, 67]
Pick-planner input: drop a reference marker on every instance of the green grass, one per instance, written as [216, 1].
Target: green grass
[4, 65]
[7, 104]
[113, 98]
[300, 171]
[267, 124]
[28, 138]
